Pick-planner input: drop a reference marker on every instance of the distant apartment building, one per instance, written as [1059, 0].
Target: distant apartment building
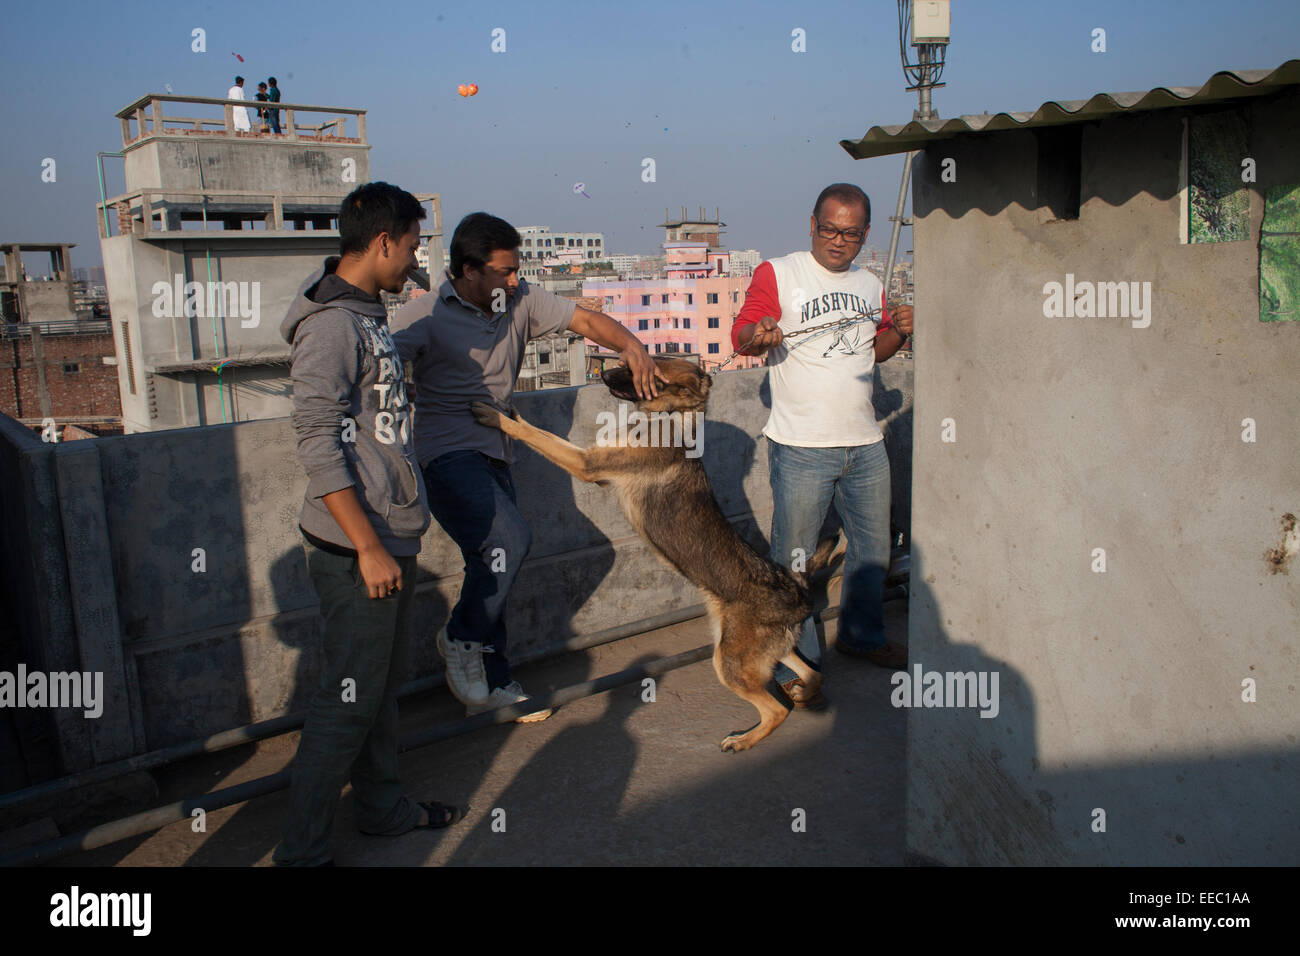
[688, 307]
[872, 259]
[541, 244]
[430, 257]
[745, 261]
[636, 267]
[56, 347]
[553, 361]
[209, 245]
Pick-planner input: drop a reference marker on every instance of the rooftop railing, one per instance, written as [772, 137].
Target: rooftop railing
[146, 117]
[21, 330]
[146, 211]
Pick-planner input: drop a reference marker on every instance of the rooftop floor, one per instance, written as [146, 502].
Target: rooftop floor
[607, 780]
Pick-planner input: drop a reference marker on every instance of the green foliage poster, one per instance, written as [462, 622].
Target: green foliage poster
[1219, 204]
[1279, 255]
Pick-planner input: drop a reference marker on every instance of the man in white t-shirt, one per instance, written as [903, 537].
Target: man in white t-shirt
[823, 441]
[236, 92]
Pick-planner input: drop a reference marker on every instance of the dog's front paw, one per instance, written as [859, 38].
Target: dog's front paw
[485, 414]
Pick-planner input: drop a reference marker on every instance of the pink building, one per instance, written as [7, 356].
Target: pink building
[689, 311]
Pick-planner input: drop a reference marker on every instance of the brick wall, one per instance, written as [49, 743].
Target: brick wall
[89, 391]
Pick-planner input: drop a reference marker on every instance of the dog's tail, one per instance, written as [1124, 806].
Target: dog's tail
[828, 550]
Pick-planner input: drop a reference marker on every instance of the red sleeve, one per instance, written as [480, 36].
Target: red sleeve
[886, 320]
[761, 300]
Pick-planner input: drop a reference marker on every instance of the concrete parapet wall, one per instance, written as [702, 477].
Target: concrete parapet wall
[200, 651]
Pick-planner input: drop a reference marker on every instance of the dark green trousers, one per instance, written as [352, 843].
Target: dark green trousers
[351, 729]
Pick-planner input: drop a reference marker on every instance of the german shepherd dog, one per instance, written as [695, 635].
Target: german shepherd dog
[756, 606]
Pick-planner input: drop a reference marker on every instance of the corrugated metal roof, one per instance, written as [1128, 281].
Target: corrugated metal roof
[1223, 86]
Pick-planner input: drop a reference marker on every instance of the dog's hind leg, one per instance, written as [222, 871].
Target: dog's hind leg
[748, 676]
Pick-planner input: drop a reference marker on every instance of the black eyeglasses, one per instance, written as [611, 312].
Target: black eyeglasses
[850, 235]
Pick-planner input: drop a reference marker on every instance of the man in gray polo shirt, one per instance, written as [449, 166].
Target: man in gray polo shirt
[466, 341]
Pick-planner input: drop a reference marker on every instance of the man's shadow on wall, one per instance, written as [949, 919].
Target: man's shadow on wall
[252, 832]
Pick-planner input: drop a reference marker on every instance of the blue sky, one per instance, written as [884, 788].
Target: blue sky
[712, 91]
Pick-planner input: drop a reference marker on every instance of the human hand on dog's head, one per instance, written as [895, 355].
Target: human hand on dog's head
[644, 376]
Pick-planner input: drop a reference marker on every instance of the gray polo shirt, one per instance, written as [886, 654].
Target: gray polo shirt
[461, 355]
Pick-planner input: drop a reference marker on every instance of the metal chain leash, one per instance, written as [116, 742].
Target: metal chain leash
[843, 323]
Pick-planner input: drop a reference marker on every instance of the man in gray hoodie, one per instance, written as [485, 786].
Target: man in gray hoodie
[362, 518]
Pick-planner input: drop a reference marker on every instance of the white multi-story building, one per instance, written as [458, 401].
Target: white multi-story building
[630, 267]
[432, 252]
[744, 261]
[540, 243]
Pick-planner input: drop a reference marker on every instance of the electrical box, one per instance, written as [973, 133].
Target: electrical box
[930, 22]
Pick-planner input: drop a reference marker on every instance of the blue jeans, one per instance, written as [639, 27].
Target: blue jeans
[351, 730]
[804, 483]
[274, 116]
[473, 498]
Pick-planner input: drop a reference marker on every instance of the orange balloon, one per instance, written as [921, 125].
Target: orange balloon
[463, 90]
[473, 88]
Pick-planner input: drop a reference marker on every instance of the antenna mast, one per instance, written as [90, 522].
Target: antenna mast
[928, 29]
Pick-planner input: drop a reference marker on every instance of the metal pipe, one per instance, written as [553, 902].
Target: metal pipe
[897, 219]
[275, 727]
[183, 809]
[263, 730]
[103, 196]
[207, 248]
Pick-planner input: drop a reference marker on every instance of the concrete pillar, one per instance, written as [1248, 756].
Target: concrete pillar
[50, 641]
[94, 599]
[38, 360]
[577, 361]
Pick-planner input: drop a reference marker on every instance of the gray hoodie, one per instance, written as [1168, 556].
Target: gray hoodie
[352, 417]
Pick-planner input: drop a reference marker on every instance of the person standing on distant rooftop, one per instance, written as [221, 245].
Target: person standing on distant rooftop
[273, 94]
[823, 443]
[236, 92]
[263, 119]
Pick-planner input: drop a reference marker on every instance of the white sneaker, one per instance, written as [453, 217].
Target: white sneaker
[465, 676]
[512, 693]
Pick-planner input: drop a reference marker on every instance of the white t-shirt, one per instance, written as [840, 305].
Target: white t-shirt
[821, 382]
